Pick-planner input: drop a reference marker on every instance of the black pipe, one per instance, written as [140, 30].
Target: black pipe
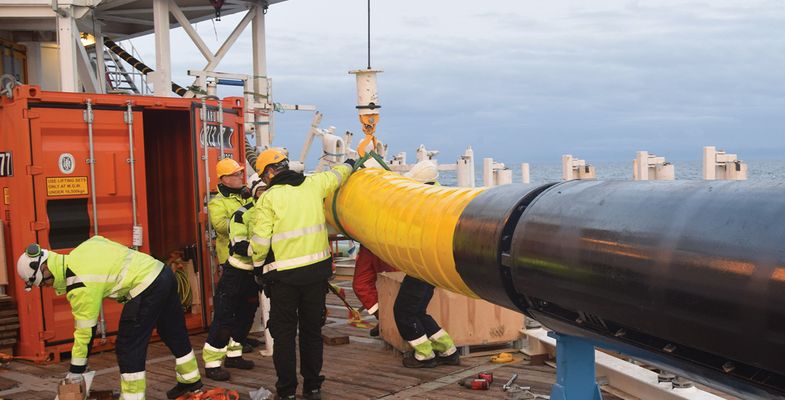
[689, 272]
[484, 234]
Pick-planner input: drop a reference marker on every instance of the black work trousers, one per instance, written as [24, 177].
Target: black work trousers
[159, 307]
[236, 300]
[290, 306]
[410, 308]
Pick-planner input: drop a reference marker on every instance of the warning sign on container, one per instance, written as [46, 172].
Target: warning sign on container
[66, 186]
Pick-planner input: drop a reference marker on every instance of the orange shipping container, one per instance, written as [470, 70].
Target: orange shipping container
[51, 196]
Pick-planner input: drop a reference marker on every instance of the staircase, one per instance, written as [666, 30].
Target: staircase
[121, 77]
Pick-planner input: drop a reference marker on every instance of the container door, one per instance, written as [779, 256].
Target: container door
[66, 190]
[217, 132]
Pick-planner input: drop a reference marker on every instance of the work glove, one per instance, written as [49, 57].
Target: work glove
[259, 282]
[258, 278]
[245, 193]
[350, 161]
[242, 247]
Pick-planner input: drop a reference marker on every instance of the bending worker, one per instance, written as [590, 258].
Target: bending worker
[432, 345]
[289, 238]
[236, 300]
[366, 268]
[100, 268]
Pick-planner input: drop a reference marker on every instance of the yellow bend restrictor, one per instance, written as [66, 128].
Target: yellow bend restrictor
[407, 224]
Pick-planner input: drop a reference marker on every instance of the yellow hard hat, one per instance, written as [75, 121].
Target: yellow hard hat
[269, 157]
[227, 166]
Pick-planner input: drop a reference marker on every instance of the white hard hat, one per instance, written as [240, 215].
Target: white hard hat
[424, 171]
[29, 265]
[254, 181]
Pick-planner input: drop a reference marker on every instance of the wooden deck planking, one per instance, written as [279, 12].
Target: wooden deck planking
[353, 371]
[364, 369]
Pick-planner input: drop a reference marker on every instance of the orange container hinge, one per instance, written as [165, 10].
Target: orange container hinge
[46, 335]
[37, 225]
[30, 114]
[34, 170]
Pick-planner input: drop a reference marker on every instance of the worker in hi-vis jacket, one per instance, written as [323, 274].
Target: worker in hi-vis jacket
[100, 268]
[432, 345]
[231, 195]
[289, 241]
[236, 300]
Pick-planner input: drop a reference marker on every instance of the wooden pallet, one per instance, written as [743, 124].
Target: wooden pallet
[9, 325]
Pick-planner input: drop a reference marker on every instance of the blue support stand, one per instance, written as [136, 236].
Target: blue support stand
[575, 370]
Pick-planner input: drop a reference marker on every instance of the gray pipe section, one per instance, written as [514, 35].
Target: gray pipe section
[688, 275]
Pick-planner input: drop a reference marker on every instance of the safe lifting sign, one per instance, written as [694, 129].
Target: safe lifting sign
[66, 186]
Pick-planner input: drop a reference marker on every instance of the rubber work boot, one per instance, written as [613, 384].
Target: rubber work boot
[452, 359]
[315, 394]
[247, 348]
[238, 362]
[217, 374]
[183, 388]
[285, 397]
[374, 331]
[411, 362]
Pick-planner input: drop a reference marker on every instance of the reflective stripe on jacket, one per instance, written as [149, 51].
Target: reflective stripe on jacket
[221, 208]
[96, 269]
[290, 221]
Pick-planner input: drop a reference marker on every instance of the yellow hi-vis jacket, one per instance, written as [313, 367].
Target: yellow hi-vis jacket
[240, 250]
[96, 269]
[221, 208]
[290, 221]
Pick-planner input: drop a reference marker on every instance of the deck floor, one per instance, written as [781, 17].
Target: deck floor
[366, 368]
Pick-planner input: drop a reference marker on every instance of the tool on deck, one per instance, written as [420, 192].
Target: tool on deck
[355, 318]
[482, 381]
[509, 383]
[502, 358]
[475, 384]
[212, 394]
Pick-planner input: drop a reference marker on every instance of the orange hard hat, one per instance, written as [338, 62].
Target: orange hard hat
[269, 157]
[227, 166]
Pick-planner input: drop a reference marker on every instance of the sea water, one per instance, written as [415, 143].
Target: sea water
[760, 171]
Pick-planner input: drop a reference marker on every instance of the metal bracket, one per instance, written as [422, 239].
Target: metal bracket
[34, 170]
[575, 369]
[30, 114]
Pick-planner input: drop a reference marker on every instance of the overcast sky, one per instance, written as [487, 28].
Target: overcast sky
[525, 80]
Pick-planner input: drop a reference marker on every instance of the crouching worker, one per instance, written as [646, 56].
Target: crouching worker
[432, 345]
[236, 299]
[99, 268]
